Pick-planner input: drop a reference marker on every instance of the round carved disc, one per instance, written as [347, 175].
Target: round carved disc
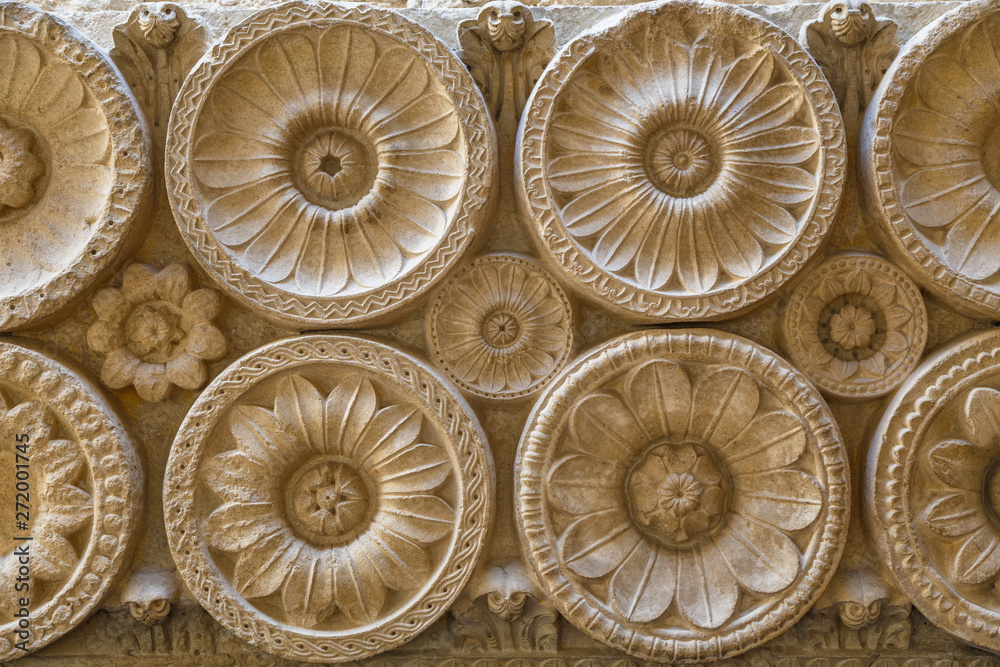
[75, 172]
[501, 328]
[856, 326]
[327, 164]
[682, 495]
[682, 162]
[932, 171]
[67, 456]
[328, 497]
[932, 493]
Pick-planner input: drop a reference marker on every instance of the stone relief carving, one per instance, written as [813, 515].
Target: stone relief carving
[676, 487]
[366, 163]
[289, 537]
[81, 495]
[856, 326]
[932, 461]
[854, 48]
[501, 328]
[930, 179]
[74, 166]
[155, 49]
[156, 331]
[506, 49]
[673, 174]
[349, 492]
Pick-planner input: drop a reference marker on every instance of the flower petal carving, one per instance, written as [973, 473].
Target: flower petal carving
[676, 167]
[677, 478]
[332, 499]
[331, 164]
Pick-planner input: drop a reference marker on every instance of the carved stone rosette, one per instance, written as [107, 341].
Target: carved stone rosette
[75, 171]
[856, 326]
[932, 492]
[501, 328]
[682, 162]
[81, 498]
[328, 497]
[327, 164]
[682, 495]
[932, 170]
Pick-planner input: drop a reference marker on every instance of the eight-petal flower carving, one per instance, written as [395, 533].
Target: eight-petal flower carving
[965, 506]
[950, 134]
[680, 165]
[329, 500]
[58, 506]
[683, 490]
[156, 331]
[328, 160]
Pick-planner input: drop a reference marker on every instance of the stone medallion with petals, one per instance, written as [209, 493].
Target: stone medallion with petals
[328, 482]
[676, 488]
[856, 326]
[501, 328]
[365, 158]
[156, 331]
[71, 484]
[681, 162]
[75, 170]
[933, 171]
[932, 488]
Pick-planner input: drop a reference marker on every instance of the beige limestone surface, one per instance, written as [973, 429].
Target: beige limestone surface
[277, 478]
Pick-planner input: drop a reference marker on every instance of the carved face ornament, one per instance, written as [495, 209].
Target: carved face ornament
[506, 23]
[851, 21]
[328, 501]
[158, 22]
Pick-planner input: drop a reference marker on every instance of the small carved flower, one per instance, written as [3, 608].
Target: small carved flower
[58, 506]
[502, 327]
[681, 165]
[852, 327]
[858, 323]
[19, 167]
[951, 137]
[156, 331]
[710, 494]
[966, 508]
[330, 501]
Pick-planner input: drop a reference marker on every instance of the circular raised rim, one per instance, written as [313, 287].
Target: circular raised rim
[703, 345]
[532, 267]
[474, 473]
[793, 316]
[118, 487]
[942, 376]
[881, 192]
[129, 197]
[558, 248]
[297, 310]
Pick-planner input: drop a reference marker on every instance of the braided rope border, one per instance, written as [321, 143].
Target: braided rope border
[475, 479]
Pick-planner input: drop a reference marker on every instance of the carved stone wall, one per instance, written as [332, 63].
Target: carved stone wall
[465, 333]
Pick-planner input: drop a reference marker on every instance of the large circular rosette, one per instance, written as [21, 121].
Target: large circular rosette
[327, 163]
[932, 488]
[682, 161]
[71, 489]
[682, 495]
[75, 171]
[327, 497]
[932, 170]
